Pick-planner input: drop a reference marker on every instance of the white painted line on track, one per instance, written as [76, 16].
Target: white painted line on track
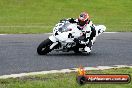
[3, 34]
[104, 32]
[62, 71]
[111, 32]
[52, 33]
[25, 26]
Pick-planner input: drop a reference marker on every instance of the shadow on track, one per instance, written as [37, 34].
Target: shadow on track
[69, 54]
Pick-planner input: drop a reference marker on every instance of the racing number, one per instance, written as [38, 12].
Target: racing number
[70, 36]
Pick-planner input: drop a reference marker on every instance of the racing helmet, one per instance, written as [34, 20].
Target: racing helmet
[83, 18]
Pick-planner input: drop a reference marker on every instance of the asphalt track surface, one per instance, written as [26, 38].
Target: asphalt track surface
[18, 53]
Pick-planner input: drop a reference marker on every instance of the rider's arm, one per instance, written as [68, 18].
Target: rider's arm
[72, 20]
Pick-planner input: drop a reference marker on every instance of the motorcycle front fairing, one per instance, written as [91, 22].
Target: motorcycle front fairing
[65, 33]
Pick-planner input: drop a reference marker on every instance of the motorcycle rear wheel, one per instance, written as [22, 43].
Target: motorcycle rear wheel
[76, 50]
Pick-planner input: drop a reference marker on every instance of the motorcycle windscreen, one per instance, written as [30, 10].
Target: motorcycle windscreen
[64, 28]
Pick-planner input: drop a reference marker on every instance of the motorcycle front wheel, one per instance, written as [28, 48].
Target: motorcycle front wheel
[44, 47]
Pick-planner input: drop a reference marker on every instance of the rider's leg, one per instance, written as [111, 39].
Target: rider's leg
[88, 48]
[92, 39]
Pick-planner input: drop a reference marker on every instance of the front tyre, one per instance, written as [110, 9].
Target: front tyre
[44, 47]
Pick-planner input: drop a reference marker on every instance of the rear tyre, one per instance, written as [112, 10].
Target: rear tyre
[44, 47]
[76, 50]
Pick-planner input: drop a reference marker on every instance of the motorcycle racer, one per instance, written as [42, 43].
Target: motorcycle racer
[71, 34]
[88, 31]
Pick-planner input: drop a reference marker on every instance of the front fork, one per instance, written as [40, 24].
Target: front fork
[54, 40]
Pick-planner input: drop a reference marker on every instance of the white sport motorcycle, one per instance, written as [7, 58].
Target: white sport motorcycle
[62, 39]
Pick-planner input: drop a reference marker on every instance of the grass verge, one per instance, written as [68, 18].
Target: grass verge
[62, 80]
[115, 14]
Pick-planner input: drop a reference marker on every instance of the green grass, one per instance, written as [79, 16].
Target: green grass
[62, 80]
[115, 14]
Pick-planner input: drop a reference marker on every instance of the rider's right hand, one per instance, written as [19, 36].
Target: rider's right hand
[72, 20]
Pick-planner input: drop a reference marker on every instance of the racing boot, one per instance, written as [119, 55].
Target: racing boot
[88, 47]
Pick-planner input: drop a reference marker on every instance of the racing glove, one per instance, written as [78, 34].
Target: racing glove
[72, 20]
